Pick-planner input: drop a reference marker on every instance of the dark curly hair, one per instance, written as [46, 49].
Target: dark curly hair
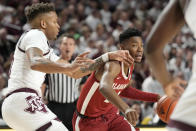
[130, 32]
[34, 10]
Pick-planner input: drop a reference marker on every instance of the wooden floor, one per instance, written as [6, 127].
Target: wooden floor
[141, 129]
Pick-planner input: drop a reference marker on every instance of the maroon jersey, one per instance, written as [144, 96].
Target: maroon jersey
[91, 102]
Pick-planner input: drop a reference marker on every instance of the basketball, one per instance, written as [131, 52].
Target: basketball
[165, 107]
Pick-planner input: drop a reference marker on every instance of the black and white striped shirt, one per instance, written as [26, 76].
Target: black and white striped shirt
[61, 88]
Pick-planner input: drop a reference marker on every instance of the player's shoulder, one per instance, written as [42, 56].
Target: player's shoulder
[34, 33]
[112, 66]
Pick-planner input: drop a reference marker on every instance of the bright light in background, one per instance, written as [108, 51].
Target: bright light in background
[153, 129]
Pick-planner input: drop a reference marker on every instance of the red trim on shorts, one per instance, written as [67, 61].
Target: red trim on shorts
[29, 90]
[181, 125]
[47, 125]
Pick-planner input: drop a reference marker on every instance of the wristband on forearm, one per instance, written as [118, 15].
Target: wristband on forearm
[105, 57]
[128, 110]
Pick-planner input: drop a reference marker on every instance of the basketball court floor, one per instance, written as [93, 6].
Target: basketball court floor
[141, 129]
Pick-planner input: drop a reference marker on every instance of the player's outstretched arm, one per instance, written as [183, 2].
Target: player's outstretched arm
[39, 63]
[111, 70]
[120, 55]
[135, 94]
[166, 27]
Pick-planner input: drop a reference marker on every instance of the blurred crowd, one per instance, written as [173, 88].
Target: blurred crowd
[96, 26]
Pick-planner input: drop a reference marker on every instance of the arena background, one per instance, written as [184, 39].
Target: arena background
[96, 26]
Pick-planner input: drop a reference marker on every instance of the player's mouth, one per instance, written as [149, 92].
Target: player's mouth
[67, 51]
[138, 56]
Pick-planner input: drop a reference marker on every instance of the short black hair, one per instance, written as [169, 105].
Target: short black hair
[34, 10]
[130, 32]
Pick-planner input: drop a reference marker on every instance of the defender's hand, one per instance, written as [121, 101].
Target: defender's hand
[81, 61]
[132, 116]
[122, 55]
[175, 88]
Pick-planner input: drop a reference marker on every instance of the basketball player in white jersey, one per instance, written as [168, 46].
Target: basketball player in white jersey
[22, 108]
[171, 20]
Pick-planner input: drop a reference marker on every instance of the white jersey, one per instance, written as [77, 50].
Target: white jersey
[189, 13]
[21, 75]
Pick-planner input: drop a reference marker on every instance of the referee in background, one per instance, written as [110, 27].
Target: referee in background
[60, 91]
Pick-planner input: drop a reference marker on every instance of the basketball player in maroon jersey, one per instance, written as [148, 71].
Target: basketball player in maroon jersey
[98, 104]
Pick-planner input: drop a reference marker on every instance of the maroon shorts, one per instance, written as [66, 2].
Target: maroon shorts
[106, 122]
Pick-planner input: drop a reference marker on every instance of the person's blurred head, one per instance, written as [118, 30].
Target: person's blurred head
[105, 6]
[91, 44]
[110, 41]
[67, 46]
[3, 33]
[2, 82]
[100, 29]
[43, 16]
[124, 16]
[80, 8]
[86, 32]
[131, 40]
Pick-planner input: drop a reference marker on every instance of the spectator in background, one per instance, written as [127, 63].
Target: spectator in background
[93, 19]
[150, 84]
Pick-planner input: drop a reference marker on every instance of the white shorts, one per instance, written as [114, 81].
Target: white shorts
[24, 111]
[184, 115]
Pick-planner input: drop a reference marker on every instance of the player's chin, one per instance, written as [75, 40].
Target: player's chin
[137, 60]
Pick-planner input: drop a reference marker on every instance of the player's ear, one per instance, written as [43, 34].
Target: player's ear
[43, 24]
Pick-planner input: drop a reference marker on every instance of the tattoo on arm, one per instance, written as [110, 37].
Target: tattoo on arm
[98, 63]
[41, 61]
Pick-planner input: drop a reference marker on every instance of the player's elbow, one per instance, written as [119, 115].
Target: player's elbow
[103, 88]
[34, 66]
[35, 63]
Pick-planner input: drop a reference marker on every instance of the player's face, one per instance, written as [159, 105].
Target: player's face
[135, 47]
[67, 47]
[52, 26]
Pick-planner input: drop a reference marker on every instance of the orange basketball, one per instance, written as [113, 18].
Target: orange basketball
[165, 107]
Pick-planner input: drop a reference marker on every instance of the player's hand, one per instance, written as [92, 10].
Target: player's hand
[81, 61]
[122, 55]
[132, 116]
[175, 88]
[158, 97]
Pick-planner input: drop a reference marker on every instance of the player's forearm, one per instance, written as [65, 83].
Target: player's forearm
[80, 72]
[47, 66]
[166, 27]
[158, 65]
[133, 93]
[107, 91]
[100, 61]
[113, 98]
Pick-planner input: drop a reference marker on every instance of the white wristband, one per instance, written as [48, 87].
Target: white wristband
[128, 110]
[105, 57]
